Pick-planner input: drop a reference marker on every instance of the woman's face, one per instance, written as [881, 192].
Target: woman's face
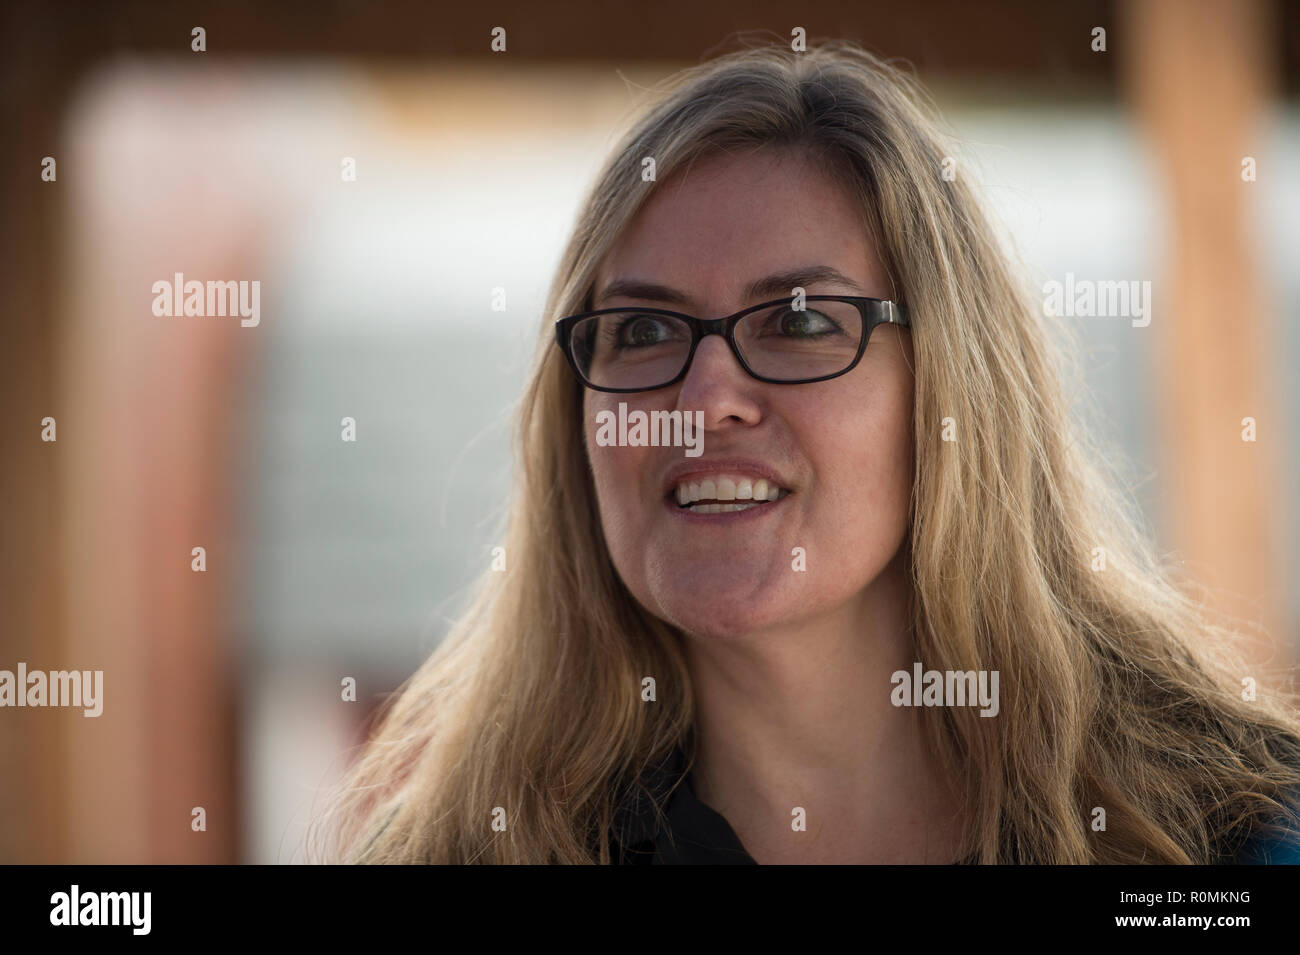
[842, 448]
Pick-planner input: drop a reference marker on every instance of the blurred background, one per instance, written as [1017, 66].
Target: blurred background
[328, 559]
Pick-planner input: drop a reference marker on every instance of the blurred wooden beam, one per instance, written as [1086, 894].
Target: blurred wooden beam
[1012, 38]
[32, 741]
[1201, 73]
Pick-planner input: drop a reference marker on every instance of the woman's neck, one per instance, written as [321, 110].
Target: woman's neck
[795, 725]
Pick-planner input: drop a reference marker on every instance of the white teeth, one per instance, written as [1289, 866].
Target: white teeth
[727, 487]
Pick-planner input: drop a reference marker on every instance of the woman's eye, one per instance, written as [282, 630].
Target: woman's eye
[640, 331]
[804, 324]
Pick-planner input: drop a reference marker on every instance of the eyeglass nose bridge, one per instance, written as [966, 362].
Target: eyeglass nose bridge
[715, 326]
[704, 327]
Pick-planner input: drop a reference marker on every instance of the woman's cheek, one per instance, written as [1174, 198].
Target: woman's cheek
[622, 515]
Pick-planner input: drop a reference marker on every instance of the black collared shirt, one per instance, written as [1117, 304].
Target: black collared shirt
[663, 823]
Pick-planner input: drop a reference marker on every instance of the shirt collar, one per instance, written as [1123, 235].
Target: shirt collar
[660, 821]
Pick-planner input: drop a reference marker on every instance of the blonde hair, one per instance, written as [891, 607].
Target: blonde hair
[1117, 691]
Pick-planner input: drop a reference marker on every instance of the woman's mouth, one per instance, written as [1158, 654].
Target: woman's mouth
[726, 493]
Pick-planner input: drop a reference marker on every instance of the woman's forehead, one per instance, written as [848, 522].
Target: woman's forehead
[716, 231]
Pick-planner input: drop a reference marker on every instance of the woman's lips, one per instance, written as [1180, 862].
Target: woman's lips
[723, 512]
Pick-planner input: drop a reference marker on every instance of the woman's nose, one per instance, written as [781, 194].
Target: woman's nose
[717, 384]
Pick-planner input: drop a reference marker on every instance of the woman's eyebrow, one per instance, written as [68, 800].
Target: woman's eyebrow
[776, 285]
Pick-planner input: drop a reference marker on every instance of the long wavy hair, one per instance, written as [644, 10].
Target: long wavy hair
[1118, 690]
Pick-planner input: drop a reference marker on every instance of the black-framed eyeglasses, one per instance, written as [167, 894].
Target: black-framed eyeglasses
[631, 349]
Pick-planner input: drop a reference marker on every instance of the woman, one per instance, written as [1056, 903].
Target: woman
[717, 656]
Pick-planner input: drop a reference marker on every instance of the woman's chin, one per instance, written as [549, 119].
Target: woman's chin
[722, 597]
[721, 616]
